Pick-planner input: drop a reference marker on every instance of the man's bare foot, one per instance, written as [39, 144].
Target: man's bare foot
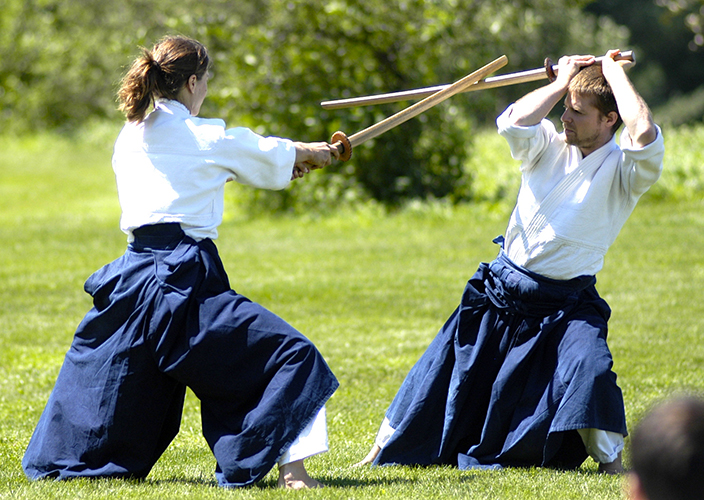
[294, 476]
[370, 456]
[614, 467]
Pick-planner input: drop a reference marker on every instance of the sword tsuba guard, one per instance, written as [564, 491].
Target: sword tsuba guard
[548, 69]
[343, 144]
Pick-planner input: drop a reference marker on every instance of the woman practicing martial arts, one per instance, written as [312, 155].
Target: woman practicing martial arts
[164, 315]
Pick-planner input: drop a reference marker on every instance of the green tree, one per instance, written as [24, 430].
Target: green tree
[692, 13]
[62, 59]
[276, 60]
[307, 51]
[668, 37]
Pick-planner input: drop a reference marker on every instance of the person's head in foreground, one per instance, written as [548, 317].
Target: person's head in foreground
[667, 452]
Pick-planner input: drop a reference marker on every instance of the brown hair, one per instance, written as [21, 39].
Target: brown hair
[590, 81]
[667, 450]
[161, 73]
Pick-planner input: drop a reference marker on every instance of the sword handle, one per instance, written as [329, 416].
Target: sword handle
[551, 69]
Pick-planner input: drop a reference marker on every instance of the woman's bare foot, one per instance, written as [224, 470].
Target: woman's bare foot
[294, 476]
[370, 456]
[614, 467]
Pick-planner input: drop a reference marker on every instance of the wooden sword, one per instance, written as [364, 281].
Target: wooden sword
[345, 144]
[548, 71]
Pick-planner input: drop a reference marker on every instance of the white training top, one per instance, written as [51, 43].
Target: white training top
[571, 208]
[173, 167]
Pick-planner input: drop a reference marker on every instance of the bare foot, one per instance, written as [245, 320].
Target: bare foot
[614, 467]
[294, 476]
[370, 456]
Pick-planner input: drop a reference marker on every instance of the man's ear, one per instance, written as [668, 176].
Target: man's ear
[611, 118]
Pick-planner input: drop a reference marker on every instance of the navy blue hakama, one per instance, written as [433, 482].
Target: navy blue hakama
[519, 366]
[165, 318]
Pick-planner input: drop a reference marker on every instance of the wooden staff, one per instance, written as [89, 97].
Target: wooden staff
[345, 144]
[489, 83]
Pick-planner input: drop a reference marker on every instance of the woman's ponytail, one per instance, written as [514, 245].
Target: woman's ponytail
[160, 73]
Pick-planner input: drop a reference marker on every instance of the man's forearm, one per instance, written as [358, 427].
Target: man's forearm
[632, 108]
[635, 113]
[533, 107]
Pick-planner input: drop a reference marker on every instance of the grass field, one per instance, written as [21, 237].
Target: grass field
[369, 288]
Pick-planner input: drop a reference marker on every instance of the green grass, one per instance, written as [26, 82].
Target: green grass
[370, 289]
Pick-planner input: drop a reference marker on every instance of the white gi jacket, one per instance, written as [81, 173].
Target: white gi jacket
[570, 208]
[173, 167]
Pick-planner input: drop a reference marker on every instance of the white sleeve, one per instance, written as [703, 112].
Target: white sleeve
[642, 166]
[526, 142]
[261, 162]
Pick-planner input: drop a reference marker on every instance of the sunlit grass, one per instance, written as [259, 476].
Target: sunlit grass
[369, 288]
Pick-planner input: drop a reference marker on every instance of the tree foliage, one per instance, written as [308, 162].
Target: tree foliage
[309, 51]
[693, 13]
[667, 36]
[275, 60]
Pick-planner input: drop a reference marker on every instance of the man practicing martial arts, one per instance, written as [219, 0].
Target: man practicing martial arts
[520, 375]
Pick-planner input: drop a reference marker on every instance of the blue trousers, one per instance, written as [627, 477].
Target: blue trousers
[515, 371]
[165, 318]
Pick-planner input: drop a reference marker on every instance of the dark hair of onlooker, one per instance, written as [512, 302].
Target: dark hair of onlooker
[667, 450]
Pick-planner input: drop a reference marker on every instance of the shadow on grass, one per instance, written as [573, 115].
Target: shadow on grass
[372, 482]
[402, 479]
[182, 480]
[265, 484]
[330, 481]
[341, 483]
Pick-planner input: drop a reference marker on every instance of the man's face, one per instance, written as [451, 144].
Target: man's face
[585, 126]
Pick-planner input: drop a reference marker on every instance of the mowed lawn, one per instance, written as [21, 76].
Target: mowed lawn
[370, 289]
